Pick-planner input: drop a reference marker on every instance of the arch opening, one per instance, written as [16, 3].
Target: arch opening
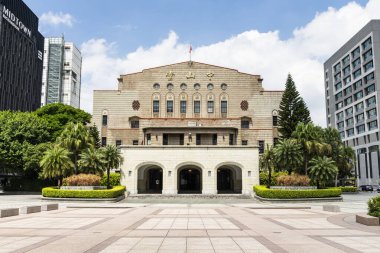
[229, 180]
[189, 180]
[149, 180]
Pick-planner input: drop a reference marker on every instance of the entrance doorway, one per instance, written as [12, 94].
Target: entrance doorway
[225, 181]
[190, 181]
[154, 181]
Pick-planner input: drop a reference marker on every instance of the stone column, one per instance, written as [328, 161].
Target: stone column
[169, 184]
[209, 182]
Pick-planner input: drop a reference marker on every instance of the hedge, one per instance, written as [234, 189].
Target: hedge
[349, 189]
[54, 192]
[264, 192]
[374, 206]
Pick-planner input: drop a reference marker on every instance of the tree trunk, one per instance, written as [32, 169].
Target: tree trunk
[305, 163]
[269, 176]
[108, 177]
[75, 164]
[336, 180]
[318, 187]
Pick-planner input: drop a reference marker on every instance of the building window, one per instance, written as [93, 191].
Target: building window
[369, 77]
[169, 106]
[183, 106]
[370, 89]
[169, 86]
[341, 134]
[347, 80]
[261, 147]
[360, 129]
[231, 139]
[135, 124]
[165, 139]
[197, 86]
[214, 139]
[367, 55]
[210, 86]
[198, 140]
[371, 101]
[118, 143]
[350, 122]
[367, 43]
[350, 132]
[348, 101]
[156, 86]
[356, 63]
[156, 106]
[349, 111]
[340, 125]
[105, 120]
[348, 91]
[244, 142]
[359, 107]
[339, 105]
[135, 142]
[183, 86]
[357, 85]
[358, 95]
[338, 95]
[346, 60]
[223, 106]
[371, 113]
[355, 52]
[360, 118]
[338, 86]
[337, 68]
[210, 106]
[339, 116]
[372, 125]
[149, 139]
[368, 66]
[244, 124]
[104, 141]
[346, 70]
[197, 106]
[357, 73]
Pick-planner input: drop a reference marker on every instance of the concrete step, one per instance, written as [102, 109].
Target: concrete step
[188, 196]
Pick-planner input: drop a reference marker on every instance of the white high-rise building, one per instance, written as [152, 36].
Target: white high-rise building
[61, 78]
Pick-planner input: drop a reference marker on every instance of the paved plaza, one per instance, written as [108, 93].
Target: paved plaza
[133, 226]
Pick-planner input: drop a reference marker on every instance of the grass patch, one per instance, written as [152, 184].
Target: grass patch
[264, 192]
[53, 192]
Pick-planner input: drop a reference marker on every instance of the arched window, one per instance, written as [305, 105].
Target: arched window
[274, 118]
[105, 118]
[156, 104]
[156, 86]
[224, 105]
[183, 103]
[197, 104]
[169, 104]
[210, 103]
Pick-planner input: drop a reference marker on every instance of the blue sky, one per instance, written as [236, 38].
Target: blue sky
[199, 22]
[271, 38]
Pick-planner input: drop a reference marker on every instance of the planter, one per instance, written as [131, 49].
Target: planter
[83, 187]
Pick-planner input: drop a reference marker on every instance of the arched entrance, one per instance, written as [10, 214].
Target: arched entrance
[229, 179]
[189, 180]
[149, 180]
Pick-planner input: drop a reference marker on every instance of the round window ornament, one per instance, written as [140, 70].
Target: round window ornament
[156, 86]
[244, 105]
[223, 86]
[210, 86]
[135, 105]
[197, 86]
[183, 86]
[170, 86]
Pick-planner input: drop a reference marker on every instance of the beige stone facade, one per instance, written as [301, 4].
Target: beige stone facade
[199, 110]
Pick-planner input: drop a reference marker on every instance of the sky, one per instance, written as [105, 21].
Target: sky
[271, 38]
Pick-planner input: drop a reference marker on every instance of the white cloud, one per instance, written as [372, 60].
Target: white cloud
[51, 18]
[254, 52]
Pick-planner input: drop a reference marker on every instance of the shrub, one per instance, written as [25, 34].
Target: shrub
[293, 180]
[264, 192]
[82, 180]
[264, 177]
[374, 206]
[114, 179]
[54, 192]
[349, 189]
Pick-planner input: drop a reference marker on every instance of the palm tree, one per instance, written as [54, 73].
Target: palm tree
[322, 170]
[267, 160]
[56, 163]
[112, 158]
[92, 161]
[310, 139]
[75, 138]
[288, 154]
[345, 161]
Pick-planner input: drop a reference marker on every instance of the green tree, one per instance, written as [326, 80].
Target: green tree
[58, 115]
[56, 163]
[267, 161]
[310, 139]
[288, 154]
[113, 159]
[94, 132]
[20, 133]
[92, 161]
[293, 109]
[322, 170]
[75, 138]
[345, 162]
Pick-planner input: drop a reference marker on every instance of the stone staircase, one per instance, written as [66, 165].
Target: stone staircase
[188, 196]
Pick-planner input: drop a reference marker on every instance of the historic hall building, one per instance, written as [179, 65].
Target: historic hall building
[188, 128]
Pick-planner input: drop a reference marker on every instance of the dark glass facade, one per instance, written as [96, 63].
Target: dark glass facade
[21, 54]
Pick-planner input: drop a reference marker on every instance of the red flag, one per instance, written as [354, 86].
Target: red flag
[191, 49]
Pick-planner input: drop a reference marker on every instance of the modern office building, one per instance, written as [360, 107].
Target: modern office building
[61, 78]
[21, 52]
[352, 79]
[188, 128]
